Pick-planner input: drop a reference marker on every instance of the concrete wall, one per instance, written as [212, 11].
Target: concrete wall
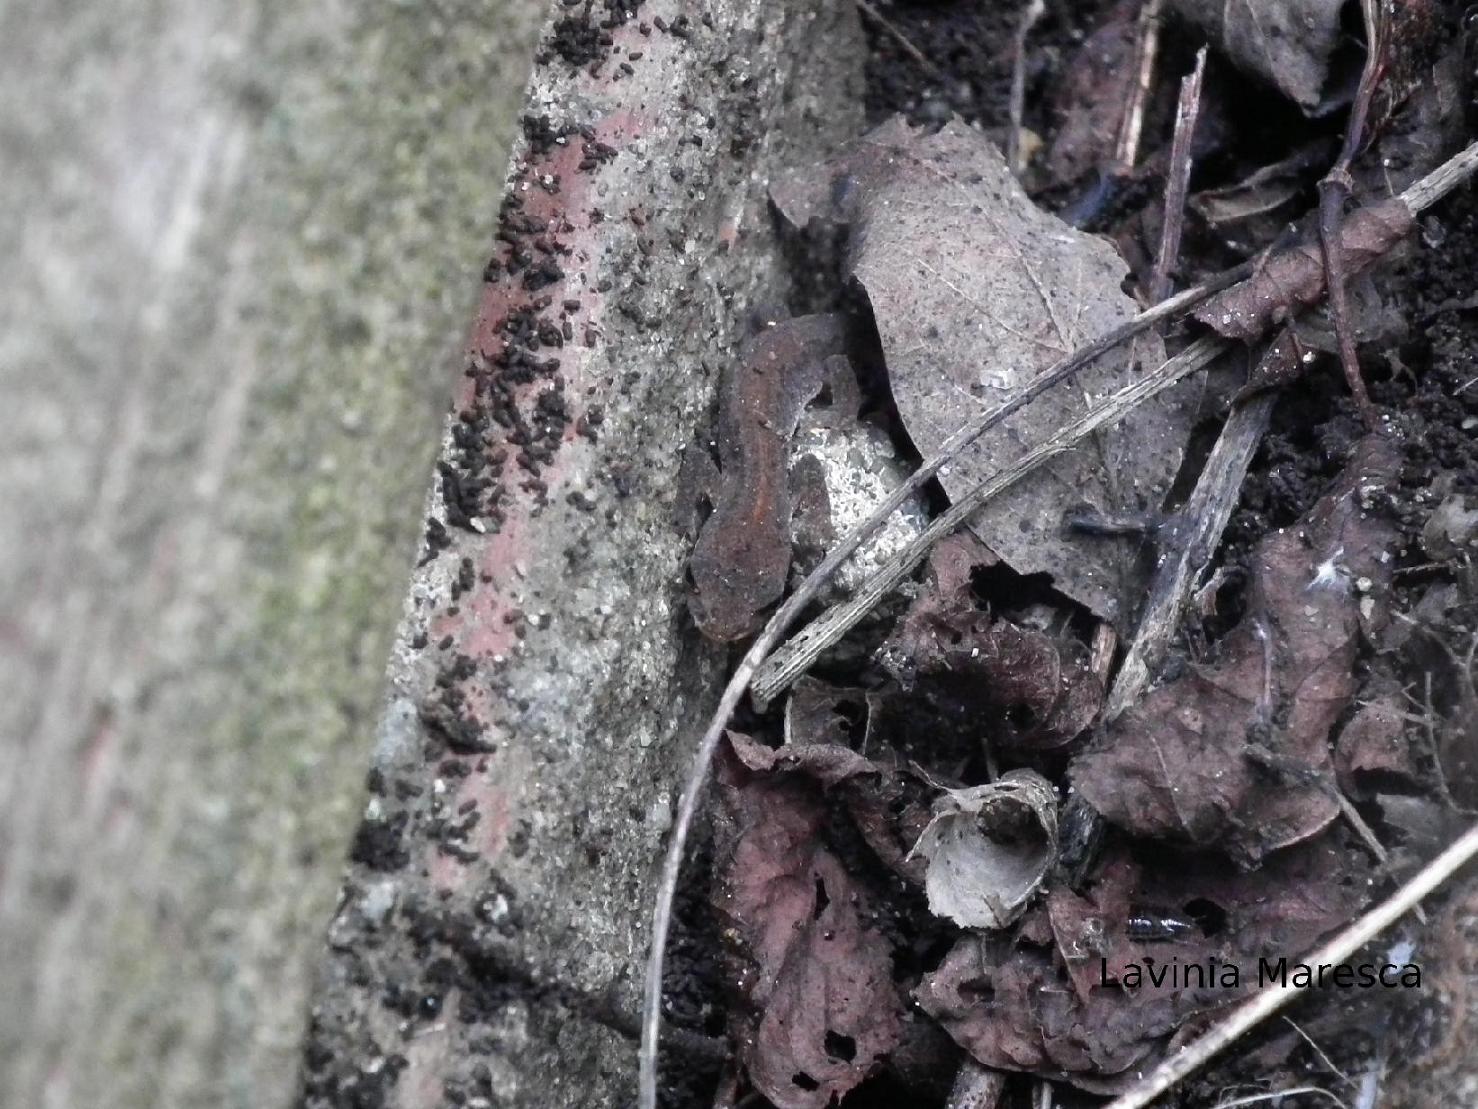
[548, 686]
[240, 244]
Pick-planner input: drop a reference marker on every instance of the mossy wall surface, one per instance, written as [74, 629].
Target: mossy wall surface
[240, 245]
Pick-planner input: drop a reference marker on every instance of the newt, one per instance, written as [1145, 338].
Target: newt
[742, 559]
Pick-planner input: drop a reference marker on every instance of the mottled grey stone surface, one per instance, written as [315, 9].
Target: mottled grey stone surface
[239, 249]
[510, 961]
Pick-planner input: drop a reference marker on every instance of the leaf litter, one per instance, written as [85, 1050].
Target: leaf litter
[1236, 751]
[819, 1008]
[974, 291]
[1289, 44]
[894, 838]
[1029, 689]
[1057, 997]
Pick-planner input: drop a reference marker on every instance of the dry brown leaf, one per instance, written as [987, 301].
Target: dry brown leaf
[1065, 1004]
[1235, 753]
[1373, 751]
[888, 805]
[1288, 43]
[975, 291]
[1014, 687]
[1266, 191]
[820, 1011]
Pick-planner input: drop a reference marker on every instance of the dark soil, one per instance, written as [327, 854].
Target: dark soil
[970, 45]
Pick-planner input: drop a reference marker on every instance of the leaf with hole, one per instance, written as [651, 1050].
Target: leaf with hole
[819, 1009]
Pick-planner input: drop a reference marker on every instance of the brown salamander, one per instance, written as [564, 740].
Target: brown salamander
[742, 558]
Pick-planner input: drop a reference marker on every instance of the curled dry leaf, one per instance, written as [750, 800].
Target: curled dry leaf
[819, 713]
[1267, 191]
[1373, 750]
[1290, 281]
[888, 805]
[1288, 43]
[975, 290]
[1295, 45]
[1072, 1000]
[1014, 687]
[1013, 1011]
[1291, 352]
[1236, 753]
[1282, 363]
[988, 849]
[820, 1010]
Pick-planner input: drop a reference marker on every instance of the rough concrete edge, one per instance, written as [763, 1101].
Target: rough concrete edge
[492, 925]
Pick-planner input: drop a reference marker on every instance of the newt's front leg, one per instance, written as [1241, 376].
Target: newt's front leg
[742, 559]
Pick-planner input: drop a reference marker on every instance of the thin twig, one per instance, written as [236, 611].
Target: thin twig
[1178, 182]
[976, 1087]
[1269, 1001]
[1319, 1051]
[891, 29]
[1101, 653]
[1434, 749]
[795, 657]
[1362, 829]
[1422, 194]
[1131, 127]
[1306, 775]
[1334, 190]
[1033, 12]
[1276, 1095]
[1205, 517]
